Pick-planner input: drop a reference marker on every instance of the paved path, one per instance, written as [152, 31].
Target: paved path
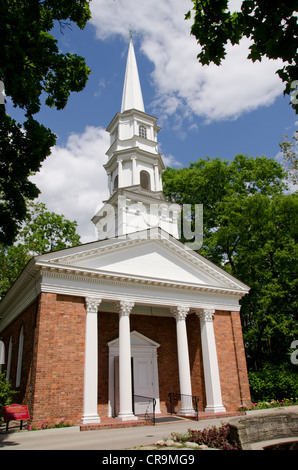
[111, 439]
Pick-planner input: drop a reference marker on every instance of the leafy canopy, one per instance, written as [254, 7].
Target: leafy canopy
[250, 231]
[31, 67]
[42, 231]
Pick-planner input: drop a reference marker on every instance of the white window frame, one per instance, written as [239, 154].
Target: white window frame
[20, 357]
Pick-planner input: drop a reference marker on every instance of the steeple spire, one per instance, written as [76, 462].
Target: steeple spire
[132, 94]
[136, 202]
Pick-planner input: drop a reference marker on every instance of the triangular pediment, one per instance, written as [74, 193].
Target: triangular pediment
[136, 340]
[159, 257]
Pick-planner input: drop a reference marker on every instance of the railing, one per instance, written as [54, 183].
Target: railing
[144, 406]
[188, 404]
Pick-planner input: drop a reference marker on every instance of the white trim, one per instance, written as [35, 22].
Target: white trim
[20, 357]
[9, 358]
[137, 350]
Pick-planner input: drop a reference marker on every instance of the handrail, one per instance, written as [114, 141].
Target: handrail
[152, 401]
[191, 400]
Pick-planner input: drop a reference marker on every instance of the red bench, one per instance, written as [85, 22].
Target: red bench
[15, 413]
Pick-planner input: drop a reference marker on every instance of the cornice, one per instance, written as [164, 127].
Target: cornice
[80, 273]
[170, 247]
[130, 152]
[72, 280]
[132, 113]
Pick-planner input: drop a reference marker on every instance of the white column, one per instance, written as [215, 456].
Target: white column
[156, 178]
[183, 360]
[120, 174]
[211, 372]
[109, 183]
[90, 415]
[125, 390]
[134, 170]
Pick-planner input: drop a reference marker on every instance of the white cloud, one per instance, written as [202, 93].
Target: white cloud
[181, 83]
[73, 181]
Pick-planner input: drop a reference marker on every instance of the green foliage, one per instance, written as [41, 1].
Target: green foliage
[250, 231]
[274, 381]
[289, 149]
[19, 158]
[46, 231]
[43, 231]
[271, 27]
[6, 392]
[32, 66]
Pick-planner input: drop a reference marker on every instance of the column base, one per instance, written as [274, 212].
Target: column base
[186, 412]
[92, 419]
[127, 417]
[215, 409]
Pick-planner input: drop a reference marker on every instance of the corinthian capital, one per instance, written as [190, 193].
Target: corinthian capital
[124, 308]
[205, 314]
[92, 304]
[180, 312]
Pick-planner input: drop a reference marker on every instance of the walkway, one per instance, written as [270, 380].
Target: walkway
[105, 439]
[135, 437]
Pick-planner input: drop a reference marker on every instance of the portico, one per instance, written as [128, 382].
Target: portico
[120, 351]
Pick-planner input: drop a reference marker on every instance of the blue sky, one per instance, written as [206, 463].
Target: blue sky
[203, 111]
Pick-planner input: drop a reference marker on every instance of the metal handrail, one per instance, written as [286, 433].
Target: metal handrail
[193, 400]
[147, 412]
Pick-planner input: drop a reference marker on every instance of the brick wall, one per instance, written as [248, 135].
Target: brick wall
[231, 359]
[27, 321]
[54, 367]
[59, 373]
[57, 376]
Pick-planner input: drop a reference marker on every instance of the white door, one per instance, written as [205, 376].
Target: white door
[143, 384]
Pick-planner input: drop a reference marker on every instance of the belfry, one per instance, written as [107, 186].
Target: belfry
[134, 168]
[103, 330]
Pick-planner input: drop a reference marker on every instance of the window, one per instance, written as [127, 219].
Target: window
[145, 179]
[143, 132]
[116, 183]
[9, 359]
[20, 357]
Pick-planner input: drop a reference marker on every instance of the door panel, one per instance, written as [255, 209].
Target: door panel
[143, 384]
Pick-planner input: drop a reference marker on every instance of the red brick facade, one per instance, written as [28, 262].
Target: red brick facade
[52, 380]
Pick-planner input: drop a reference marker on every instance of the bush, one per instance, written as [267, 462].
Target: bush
[214, 437]
[275, 382]
[6, 392]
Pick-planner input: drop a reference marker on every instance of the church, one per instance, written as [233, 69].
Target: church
[96, 330]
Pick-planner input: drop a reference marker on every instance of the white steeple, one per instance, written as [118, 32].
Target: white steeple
[132, 94]
[134, 167]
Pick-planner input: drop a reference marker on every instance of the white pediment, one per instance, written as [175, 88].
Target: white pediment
[136, 340]
[161, 258]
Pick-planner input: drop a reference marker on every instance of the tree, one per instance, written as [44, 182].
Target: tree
[43, 231]
[289, 150]
[250, 231]
[270, 25]
[31, 66]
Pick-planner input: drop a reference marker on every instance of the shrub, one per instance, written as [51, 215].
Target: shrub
[61, 423]
[6, 392]
[214, 437]
[273, 381]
